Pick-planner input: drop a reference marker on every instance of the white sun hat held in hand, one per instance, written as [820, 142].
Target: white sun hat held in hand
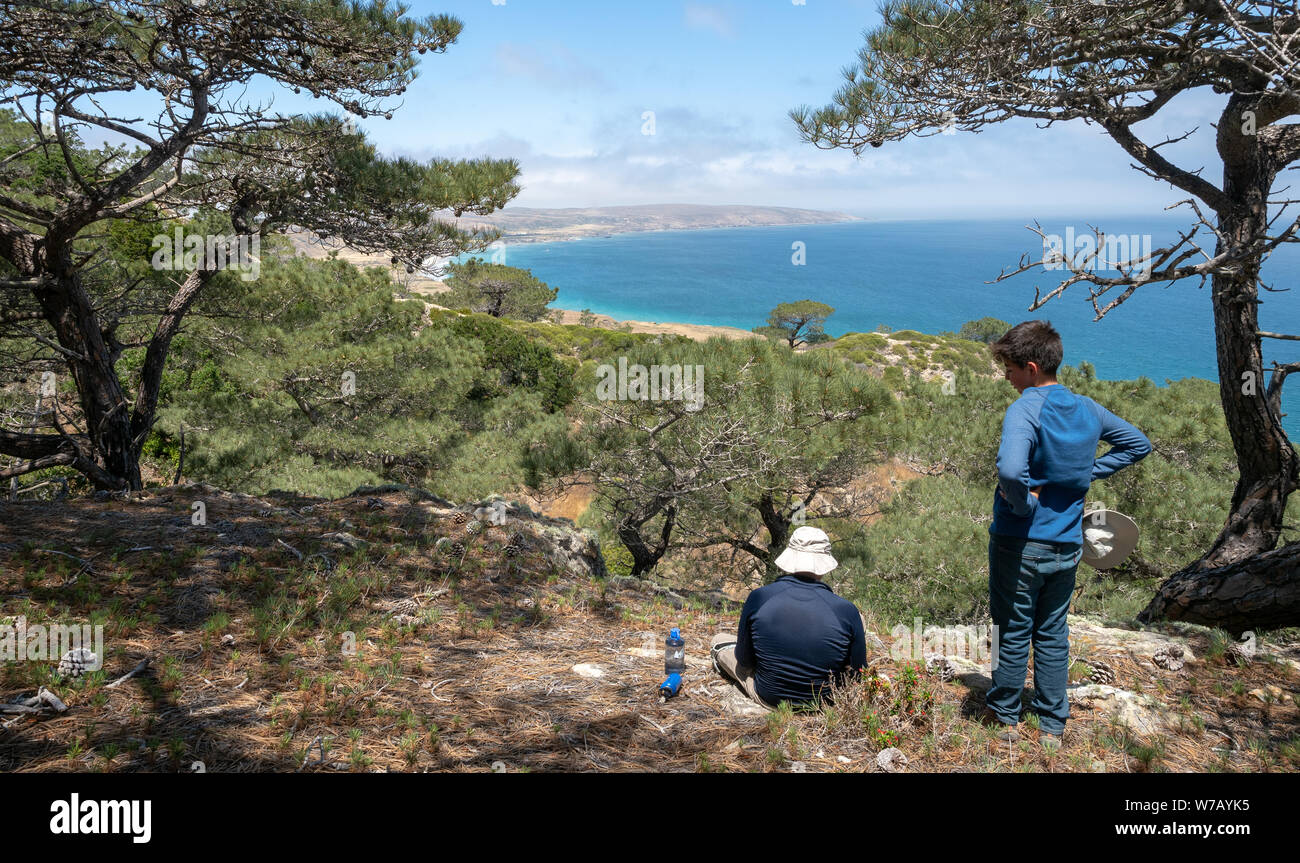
[1109, 537]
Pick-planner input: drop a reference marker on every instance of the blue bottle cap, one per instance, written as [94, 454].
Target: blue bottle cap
[676, 634]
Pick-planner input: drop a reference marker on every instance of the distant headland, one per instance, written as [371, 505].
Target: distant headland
[532, 225]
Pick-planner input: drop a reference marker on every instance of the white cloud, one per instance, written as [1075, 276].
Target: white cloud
[552, 65]
[714, 18]
[649, 161]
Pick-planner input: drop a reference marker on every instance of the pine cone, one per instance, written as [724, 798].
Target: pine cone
[374, 503]
[458, 548]
[76, 662]
[1170, 656]
[512, 551]
[406, 606]
[1100, 672]
[473, 527]
[460, 518]
[940, 665]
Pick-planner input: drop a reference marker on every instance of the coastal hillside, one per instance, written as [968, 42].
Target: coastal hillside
[393, 631]
[490, 637]
[533, 225]
[536, 225]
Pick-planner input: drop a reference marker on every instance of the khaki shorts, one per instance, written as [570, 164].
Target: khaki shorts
[724, 659]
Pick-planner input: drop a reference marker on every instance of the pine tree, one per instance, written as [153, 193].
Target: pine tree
[797, 323]
[496, 290]
[209, 147]
[324, 382]
[724, 443]
[937, 67]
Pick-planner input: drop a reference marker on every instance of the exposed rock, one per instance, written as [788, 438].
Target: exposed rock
[1141, 714]
[497, 510]
[875, 645]
[1141, 644]
[1271, 694]
[589, 670]
[971, 674]
[891, 760]
[576, 551]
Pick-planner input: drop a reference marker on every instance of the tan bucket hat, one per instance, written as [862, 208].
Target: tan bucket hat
[809, 550]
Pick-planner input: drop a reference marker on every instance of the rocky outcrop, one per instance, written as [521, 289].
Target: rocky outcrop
[1142, 646]
[1092, 643]
[573, 549]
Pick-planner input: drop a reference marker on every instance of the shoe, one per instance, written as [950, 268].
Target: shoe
[1051, 741]
[1007, 732]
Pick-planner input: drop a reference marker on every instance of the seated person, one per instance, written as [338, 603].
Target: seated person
[795, 634]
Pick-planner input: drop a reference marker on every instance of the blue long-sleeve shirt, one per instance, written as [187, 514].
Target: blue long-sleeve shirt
[796, 634]
[1049, 442]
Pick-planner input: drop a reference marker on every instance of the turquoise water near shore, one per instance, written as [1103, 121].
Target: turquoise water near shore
[929, 276]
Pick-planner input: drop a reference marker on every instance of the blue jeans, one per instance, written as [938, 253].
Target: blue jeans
[1030, 585]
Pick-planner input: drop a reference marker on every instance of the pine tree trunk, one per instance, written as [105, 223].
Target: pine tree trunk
[1224, 584]
[1260, 591]
[91, 359]
[644, 556]
[778, 530]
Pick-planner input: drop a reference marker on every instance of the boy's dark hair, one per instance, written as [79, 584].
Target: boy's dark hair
[1030, 341]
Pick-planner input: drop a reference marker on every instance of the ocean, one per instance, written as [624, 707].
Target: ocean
[929, 276]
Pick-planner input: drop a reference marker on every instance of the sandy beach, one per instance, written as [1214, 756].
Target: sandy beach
[699, 332]
[422, 285]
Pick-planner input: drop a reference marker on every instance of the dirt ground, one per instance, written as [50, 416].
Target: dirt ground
[386, 632]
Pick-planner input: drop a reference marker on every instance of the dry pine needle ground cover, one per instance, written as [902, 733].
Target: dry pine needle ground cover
[392, 633]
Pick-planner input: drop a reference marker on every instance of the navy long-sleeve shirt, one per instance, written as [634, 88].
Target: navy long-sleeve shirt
[1049, 442]
[796, 633]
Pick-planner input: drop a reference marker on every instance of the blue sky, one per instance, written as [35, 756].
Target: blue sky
[563, 86]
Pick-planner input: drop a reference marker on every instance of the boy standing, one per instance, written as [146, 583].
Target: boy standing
[1046, 462]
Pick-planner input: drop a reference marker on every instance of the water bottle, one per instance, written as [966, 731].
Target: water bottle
[674, 663]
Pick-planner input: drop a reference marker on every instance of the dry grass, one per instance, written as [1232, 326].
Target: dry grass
[250, 670]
